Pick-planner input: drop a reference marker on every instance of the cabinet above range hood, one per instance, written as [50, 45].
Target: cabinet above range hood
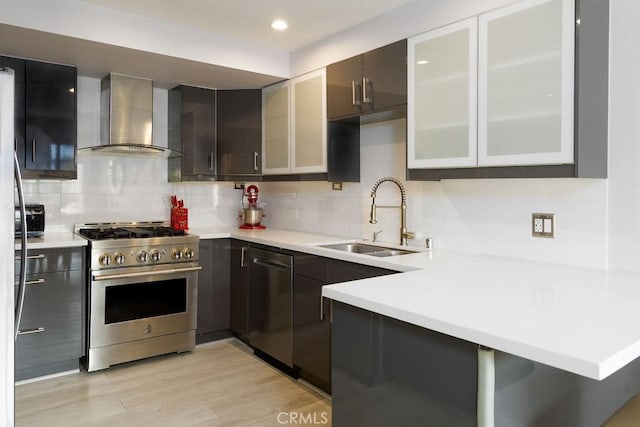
[126, 113]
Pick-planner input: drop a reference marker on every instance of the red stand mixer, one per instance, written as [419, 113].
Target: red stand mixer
[251, 217]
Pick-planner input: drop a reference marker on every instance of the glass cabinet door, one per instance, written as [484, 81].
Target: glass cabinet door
[275, 129]
[309, 123]
[526, 55]
[442, 98]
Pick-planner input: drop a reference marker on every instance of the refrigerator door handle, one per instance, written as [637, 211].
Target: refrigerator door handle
[23, 247]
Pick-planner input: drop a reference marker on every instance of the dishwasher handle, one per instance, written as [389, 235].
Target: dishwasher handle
[271, 264]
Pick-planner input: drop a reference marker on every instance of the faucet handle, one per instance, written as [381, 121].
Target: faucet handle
[409, 235]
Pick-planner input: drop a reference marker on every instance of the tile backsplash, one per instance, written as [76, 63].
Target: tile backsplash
[479, 216]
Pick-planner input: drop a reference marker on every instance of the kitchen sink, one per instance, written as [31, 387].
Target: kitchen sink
[366, 249]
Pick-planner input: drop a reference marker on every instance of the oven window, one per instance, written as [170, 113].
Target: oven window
[142, 300]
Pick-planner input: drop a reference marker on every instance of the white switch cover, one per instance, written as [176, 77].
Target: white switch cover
[543, 225]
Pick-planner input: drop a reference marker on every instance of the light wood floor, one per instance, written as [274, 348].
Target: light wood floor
[218, 384]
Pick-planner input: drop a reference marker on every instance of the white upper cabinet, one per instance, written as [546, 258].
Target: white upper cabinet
[526, 57]
[442, 97]
[275, 129]
[494, 90]
[294, 126]
[309, 123]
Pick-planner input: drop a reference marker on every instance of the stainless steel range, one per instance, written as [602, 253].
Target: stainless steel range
[142, 298]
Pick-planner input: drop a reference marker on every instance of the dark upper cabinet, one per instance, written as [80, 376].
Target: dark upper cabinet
[239, 133]
[192, 132]
[372, 82]
[45, 118]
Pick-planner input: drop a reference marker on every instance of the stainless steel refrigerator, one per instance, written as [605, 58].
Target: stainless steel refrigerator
[7, 226]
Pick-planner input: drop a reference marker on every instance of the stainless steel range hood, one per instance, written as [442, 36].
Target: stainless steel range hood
[126, 113]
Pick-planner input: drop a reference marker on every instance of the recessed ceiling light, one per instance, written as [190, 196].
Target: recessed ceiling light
[279, 25]
[422, 62]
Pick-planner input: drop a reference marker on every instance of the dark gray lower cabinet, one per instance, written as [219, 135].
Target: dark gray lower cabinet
[389, 373]
[51, 337]
[239, 295]
[214, 282]
[311, 329]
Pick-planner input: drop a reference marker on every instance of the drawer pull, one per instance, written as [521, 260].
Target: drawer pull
[31, 331]
[33, 282]
[39, 256]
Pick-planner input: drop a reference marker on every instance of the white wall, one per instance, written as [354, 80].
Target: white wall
[623, 199]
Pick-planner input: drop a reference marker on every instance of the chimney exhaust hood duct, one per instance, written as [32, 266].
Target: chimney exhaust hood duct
[126, 112]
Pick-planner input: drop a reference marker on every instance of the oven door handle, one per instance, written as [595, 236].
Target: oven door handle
[145, 273]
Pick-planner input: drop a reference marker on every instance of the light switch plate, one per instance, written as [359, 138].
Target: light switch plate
[543, 225]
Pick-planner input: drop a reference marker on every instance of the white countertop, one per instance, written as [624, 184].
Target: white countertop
[54, 240]
[585, 321]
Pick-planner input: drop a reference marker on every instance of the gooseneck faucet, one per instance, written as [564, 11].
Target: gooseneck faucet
[404, 234]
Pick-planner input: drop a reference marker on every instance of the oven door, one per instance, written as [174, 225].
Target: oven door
[129, 304]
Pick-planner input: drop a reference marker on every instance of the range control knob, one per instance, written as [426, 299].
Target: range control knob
[118, 258]
[176, 254]
[143, 256]
[189, 253]
[155, 256]
[105, 260]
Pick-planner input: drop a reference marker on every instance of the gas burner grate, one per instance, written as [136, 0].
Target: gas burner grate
[102, 233]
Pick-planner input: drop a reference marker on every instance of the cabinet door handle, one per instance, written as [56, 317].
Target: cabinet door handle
[355, 99]
[211, 162]
[31, 331]
[35, 282]
[242, 251]
[33, 150]
[365, 99]
[39, 256]
[255, 160]
[321, 308]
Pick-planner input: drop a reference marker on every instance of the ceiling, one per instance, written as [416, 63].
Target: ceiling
[249, 20]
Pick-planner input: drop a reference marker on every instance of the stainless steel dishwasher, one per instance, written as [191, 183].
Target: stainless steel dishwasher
[270, 303]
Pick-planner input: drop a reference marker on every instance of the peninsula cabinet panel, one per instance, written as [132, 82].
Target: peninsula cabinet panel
[387, 372]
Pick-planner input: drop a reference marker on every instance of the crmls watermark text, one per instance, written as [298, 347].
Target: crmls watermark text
[303, 418]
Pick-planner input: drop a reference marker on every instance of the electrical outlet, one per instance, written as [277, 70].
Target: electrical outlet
[538, 225]
[543, 225]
